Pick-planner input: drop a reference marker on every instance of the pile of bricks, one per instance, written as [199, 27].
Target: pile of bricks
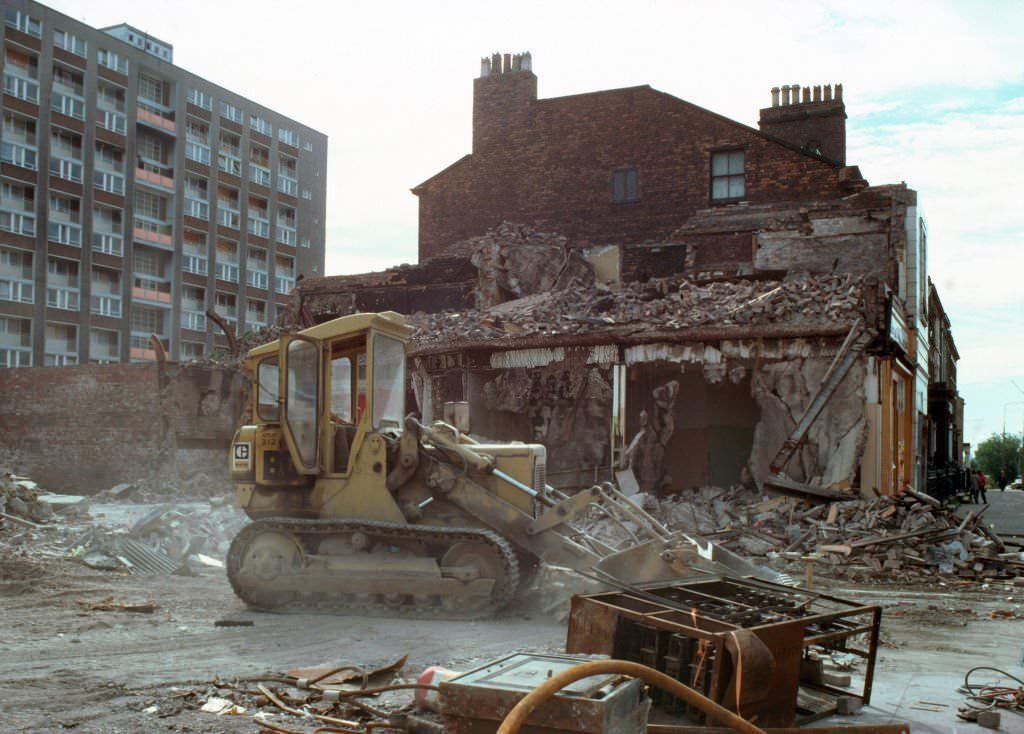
[905, 539]
[670, 303]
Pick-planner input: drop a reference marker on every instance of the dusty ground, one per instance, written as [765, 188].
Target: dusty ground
[64, 669]
[68, 670]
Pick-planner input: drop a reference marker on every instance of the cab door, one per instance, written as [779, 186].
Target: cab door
[301, 400]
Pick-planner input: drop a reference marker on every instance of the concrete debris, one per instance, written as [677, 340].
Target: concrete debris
[20, 498]
[109, 605]
[903, 539]
[667, 304]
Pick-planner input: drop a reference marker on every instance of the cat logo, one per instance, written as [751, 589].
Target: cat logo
[242, 455]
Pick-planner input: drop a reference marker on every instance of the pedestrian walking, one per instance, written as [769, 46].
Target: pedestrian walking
[973, 486]
[1002, 480]
[981, 486]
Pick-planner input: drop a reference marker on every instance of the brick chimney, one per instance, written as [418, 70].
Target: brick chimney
[502, 97]
[813, 119]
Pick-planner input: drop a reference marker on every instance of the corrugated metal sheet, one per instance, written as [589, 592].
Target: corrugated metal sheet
[145, 559]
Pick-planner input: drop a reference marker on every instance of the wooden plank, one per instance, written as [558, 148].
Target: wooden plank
[817, 494]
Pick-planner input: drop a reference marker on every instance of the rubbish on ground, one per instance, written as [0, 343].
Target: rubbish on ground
[339, 676]
[109, 605]
[221, 707]
[427, 697]
[233, 623]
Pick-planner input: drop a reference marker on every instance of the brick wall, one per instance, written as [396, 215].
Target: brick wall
[553, 167]
[86, 428]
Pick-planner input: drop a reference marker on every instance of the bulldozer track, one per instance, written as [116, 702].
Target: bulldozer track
[404, 605]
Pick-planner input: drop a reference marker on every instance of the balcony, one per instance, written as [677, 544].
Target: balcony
[227, 271]
[287, 185]
[17, 290]
[144, 354]
[17, 223]
[23, 156]
[59, 359]
[66, 299]
[151, 292]
[227, 217]
[259, 227]
[256, 279]
[154, 179]
[153, 233]
[259, 175]
[64, 233]
[115, 122]
[155, 120]
[284, 285]
[192, 263]
[15, 357]
[108, 305]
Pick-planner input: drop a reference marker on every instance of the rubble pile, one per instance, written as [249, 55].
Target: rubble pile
[910, 538]
[667, 303]
[20, 498]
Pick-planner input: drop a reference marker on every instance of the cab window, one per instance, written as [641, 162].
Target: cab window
[388, 381]
[267, 373]
[348, 379]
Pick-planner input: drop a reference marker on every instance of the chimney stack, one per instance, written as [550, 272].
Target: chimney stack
[810, 118]
[503, 96]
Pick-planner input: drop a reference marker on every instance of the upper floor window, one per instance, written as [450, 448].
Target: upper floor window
[69, 42]
[231, 112]
[23, 22]
[112, 61]
[625, 185]
[200, 99]
[727, 175]
[260, 125]
[288, 137]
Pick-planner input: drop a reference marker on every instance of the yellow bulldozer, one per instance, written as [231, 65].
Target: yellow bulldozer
[358, 507]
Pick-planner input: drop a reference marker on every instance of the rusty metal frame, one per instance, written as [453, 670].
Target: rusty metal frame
[708, 609]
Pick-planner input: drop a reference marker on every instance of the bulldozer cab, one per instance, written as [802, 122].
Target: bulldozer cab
[330, 385]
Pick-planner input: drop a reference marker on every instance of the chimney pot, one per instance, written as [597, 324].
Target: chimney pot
[828, 92]
[817, 92]
[485, 67]
[507, 66]
[839, 92]
[785, 95]
[517, 62]
[807, 95]
[775, 96]
[527, 61]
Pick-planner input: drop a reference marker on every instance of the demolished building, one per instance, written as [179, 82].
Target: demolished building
[788, 298]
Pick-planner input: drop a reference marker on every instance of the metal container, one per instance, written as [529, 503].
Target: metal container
[477, 702]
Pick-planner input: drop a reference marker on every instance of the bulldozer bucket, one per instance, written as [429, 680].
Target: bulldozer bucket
[679, 556]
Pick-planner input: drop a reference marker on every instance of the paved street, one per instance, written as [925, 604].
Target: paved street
[1006, 511]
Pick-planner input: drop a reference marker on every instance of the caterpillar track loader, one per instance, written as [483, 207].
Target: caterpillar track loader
[357, 507]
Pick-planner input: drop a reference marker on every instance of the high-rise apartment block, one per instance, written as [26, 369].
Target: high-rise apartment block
[135, 196]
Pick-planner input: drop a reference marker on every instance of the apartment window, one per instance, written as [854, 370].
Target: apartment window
[227, 306]
[69, 42]
[109, 157]
[105, 299]
[150, 205]
[66, 155]
[150, 147]
[229, 154]
[192, 351]
[197, 131]
[17, 209]
[109, 97]
[23, 22]
[113, 121]
[21, 75]
[259, 165]
[196, 198]
[287, 175]
[65, 104]
[307, 147]
[18, 143]
[284, 274]
[197, 152]
[193, 308]
[112, 183]
[112, 60]
[227, 261]
[61, 345]
[304, 242]
[146, 321]
[64, 225]
[255, 314]
[152, 89]
[625, 185]
[193, 257]
[286, 225]
[107, 230]
[227, 207]
[288, 137]
[231, 112]
[260, 125]
[259, 217]
[15, 342]
[16, 281]
[104, 346]
[200, 99]
[727, 175]
[62, 284]
[307, 194]
[256, 268]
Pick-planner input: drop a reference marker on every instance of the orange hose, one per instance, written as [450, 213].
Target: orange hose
[522, 710]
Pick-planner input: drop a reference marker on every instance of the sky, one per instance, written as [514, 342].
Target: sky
[934, 94]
